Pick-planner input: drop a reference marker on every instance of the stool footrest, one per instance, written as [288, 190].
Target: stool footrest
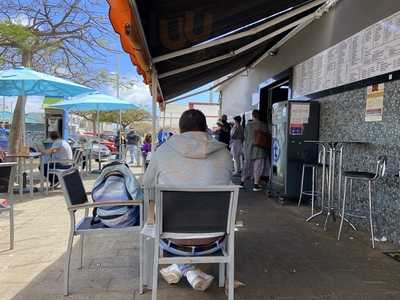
[310, 193]
[355, 216]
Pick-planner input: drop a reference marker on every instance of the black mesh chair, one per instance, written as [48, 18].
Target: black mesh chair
[76, 199]
[7, 176]
[368, 177]
[75, 163]
[196, 213]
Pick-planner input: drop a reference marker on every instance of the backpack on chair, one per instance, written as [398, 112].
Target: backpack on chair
[116, 183]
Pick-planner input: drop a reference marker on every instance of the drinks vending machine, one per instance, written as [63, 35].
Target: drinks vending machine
[293, 123]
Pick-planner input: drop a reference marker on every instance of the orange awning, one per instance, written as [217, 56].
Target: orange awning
[125, 25]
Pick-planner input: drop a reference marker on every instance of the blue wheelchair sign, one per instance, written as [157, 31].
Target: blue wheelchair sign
[276, 150]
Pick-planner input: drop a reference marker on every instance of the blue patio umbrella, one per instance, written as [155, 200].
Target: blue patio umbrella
[95, 102]
[21, 81]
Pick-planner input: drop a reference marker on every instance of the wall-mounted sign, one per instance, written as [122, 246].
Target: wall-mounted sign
[374, 103]
[373, 51]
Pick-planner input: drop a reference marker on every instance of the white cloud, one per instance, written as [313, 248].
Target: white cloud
[22, 20]
[138, 94]
[34, 104]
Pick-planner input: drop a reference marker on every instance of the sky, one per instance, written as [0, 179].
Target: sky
[139, 94]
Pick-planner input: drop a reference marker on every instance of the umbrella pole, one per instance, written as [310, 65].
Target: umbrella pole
[98, 135]
[120, 135]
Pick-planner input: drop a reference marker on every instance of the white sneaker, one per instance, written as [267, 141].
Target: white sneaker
[199, 280]
[171, 274]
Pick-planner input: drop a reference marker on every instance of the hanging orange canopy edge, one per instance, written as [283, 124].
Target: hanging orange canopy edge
[124, 23]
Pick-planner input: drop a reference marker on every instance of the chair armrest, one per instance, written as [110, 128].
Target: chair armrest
[70, 161]
[107, 203]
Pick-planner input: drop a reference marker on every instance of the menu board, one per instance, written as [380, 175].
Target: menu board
[369, 53]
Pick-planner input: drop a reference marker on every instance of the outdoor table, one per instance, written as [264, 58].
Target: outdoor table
[333, 148]
[21, 167]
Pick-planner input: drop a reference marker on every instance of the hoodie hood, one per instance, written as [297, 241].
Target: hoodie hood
[195, 144]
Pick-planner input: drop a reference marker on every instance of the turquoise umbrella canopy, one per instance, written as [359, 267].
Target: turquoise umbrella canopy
[21, 81]
[95, 101]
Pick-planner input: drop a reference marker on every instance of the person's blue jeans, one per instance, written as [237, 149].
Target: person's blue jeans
[187, 267]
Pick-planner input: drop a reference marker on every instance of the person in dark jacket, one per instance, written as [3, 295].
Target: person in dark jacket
[224, 130]
[132, 145]
[237, 138]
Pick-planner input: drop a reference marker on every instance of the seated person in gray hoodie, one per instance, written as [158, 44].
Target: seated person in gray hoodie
[173, 164]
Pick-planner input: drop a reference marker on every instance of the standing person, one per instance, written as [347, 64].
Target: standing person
[132, 145]
[237, 137]
[146, 149]
[224, 130]
[255, 144]
[175, 163]
[60, 151]
[161, 136]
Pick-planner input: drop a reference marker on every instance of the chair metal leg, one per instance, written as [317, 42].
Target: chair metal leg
[11, 212]
[343, 208]
[301, 187]
[81, 242]
[231, 279]
[155, 270]
[221, 276]
[370, 214]
[68, 262]
[141, 263]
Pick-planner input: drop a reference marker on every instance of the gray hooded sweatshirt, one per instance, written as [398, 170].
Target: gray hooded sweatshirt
[190, 159]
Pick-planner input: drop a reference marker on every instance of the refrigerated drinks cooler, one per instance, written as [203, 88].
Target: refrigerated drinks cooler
[293, 123]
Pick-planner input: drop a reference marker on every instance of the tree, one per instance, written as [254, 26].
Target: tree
[129, 117]
[90, 116]
[66, 38]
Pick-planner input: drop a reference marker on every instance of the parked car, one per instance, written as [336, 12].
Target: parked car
[105, 139]
[100, 150]
[96, 145]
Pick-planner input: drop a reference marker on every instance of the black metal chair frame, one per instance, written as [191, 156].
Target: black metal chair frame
[83, 227]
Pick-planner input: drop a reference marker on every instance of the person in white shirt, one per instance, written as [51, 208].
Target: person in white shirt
[60, 152]
[192, 158]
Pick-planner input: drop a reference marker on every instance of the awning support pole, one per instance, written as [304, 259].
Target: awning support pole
[154, 89]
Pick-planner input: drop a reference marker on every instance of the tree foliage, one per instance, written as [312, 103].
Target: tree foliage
[129, 117]
[65, 38]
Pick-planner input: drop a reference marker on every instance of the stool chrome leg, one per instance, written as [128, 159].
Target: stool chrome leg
[343, 207]
[312, 190]
[301, 186]
[370, 213]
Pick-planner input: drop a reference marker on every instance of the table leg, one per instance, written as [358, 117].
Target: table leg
[41, 174]
[21, 177]
[31, 176]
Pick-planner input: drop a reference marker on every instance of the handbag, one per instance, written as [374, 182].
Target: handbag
[261, 139]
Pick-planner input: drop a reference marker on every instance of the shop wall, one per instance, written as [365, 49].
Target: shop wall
[345, 19]
[343, 118]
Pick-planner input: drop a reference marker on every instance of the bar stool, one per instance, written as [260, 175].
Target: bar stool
[314, 170]
[362, 176]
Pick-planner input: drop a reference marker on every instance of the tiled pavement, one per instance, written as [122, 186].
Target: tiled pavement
[279, 256]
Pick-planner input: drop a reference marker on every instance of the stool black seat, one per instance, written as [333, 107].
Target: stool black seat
[368, 177]
[359, 175]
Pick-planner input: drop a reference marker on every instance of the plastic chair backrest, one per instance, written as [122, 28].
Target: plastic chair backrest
[195, 212]
[72, 185]
[7, 172]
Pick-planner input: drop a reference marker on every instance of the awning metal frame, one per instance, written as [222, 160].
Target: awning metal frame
[315, 15]
[239, 50]
[240, 35]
